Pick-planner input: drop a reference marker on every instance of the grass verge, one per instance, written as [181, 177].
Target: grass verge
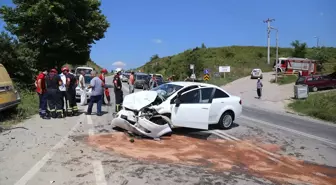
[319, 105]
[27, 108]
[285, 79]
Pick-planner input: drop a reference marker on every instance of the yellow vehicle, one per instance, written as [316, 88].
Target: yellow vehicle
[9, 97]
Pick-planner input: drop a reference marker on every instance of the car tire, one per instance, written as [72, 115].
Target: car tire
[315, 89]
[226, 120]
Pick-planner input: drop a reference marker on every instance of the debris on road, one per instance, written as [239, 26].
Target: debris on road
[218, 155]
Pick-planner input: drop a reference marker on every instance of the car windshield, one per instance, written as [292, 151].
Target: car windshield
[166, 90]
[256, 70]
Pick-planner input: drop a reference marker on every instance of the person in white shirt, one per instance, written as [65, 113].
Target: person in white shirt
[81, 83]
[62, 88]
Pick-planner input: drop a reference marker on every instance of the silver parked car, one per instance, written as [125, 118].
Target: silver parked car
[256, 73]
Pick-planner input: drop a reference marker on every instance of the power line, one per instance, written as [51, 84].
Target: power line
[268, 21]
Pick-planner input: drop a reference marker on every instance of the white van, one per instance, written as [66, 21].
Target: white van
[86, 69]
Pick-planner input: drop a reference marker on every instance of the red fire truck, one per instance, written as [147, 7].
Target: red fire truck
[295, 65]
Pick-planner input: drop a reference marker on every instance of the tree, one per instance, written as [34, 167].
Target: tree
[300, 49]
[18, 59]
[154, 57]
[203, 46]
[58, 31]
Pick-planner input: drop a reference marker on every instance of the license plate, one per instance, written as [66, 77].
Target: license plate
[78, 93]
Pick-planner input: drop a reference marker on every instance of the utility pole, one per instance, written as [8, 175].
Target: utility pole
[277, 53]
[268, 21]
[317, 41]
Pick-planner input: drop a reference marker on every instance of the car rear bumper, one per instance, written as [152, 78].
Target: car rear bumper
[9, 105]
[79, 94]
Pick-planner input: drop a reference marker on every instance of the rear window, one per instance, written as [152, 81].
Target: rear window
[141, 77]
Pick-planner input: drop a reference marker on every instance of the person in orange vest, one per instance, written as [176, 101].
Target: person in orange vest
[106, 91]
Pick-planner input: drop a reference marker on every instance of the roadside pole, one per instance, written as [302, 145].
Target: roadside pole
[268, 21]
[192, 67]
[277, 54]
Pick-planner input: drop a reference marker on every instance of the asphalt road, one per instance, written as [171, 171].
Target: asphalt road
[262, 148]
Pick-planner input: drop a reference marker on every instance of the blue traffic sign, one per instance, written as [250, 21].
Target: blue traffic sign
[206, 71]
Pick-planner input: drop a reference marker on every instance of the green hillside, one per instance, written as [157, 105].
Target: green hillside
[241, 59]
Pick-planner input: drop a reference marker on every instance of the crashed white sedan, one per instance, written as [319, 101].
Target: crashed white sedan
[177, 104]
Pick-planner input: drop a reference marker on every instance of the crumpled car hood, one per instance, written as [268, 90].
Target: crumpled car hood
[139, 100]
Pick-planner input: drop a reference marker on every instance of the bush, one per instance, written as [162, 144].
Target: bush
[27, 108]
[319, 105]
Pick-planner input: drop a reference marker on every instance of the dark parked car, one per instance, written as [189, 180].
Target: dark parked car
[159, 81]
[317, 82]
[140, 80]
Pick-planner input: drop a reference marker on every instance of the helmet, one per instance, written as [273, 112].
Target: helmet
[65, 69]
[104, 70]
[118, 70]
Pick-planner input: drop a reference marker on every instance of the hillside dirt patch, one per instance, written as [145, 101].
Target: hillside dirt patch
[217, 155]
[274, 97]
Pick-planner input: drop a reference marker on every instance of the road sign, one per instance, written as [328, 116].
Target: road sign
[193, 76]
[224, 69]
[206, 77]
[192, 66]
[206, 71]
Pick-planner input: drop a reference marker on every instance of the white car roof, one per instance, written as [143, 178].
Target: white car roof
[185, 84]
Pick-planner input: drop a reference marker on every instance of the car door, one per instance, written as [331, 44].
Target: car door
[219, 100]
[194, 109]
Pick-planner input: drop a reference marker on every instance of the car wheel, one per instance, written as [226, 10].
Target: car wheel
[226, 120]
[314, 89]
[251, 77]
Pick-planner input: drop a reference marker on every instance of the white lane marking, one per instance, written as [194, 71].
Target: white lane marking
[89, 119]
[222, 133]
[99, 173]
[271, 156]
[30, 174]
[290, 130]
[91, 132]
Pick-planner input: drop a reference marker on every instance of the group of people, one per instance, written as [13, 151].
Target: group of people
[57, 93]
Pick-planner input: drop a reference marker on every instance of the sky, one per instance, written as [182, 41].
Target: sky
[140, 29]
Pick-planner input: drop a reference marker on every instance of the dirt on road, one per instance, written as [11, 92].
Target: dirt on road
[274, 97]
[219, 156]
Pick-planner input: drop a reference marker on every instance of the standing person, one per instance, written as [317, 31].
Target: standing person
[118, 90]
[53, 81]
[81, 83]
[106, 91]
[259, 88]
[42, 93]
[153, 82]
[131, 82]
[71, 83]
[96, 94]
[62, 89]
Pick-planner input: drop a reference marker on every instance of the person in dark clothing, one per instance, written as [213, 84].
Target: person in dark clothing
[71, 83]
[53, 81]
[118, 93]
